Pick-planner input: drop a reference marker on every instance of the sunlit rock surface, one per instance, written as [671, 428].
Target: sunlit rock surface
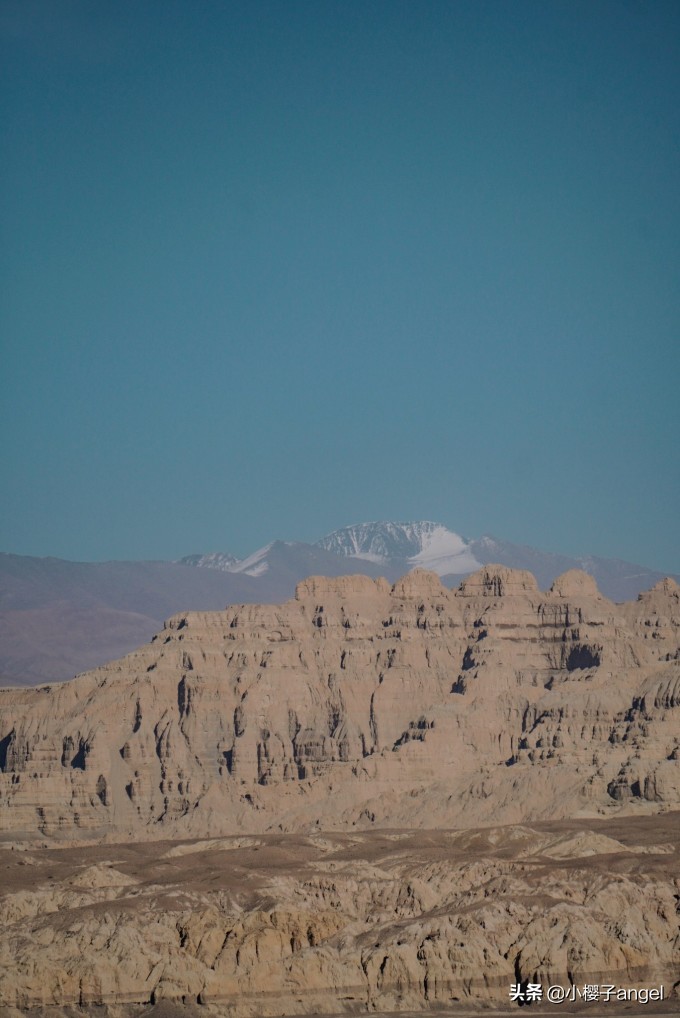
[360, 704]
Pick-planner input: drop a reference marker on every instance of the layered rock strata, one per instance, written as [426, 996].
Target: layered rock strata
[357, 704]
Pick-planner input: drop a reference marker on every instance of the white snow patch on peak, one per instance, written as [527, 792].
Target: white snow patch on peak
[257, 570]
[444, 552]
[256, 564]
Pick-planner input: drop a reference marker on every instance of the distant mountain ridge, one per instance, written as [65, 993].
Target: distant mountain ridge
[59, 618]
[400, 546]
[394, 548]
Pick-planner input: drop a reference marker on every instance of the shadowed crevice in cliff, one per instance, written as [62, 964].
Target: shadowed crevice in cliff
[4, 749]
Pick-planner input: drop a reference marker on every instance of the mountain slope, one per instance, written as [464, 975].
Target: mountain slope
[59, 618]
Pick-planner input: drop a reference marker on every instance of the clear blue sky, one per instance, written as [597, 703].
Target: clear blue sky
[270, 268]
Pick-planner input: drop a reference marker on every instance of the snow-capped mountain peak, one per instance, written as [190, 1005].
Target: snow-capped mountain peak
[256, 564]
[417, 543]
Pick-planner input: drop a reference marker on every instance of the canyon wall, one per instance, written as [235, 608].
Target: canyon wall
[360, 704]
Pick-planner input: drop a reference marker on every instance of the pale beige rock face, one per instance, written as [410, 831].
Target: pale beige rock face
[359, 704]
[322, 748]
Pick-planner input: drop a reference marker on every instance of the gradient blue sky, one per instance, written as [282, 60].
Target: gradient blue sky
[270, 268]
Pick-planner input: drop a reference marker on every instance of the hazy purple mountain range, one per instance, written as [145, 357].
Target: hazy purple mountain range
[59, 618]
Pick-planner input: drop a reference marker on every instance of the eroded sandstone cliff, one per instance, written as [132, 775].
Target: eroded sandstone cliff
[358, 704]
